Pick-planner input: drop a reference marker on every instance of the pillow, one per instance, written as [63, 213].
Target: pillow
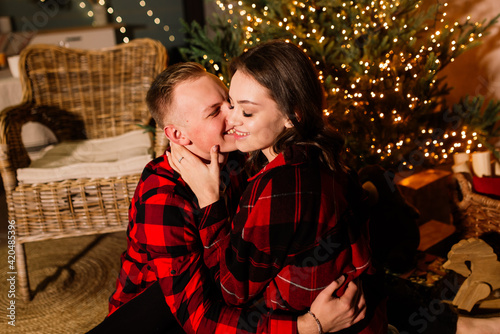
[36, 138]
[94, 158]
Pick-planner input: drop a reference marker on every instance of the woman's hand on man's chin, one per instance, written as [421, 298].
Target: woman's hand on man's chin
[203, 179]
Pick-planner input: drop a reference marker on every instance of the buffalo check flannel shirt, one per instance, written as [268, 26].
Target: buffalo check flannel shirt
[163, 244]
[299, 226]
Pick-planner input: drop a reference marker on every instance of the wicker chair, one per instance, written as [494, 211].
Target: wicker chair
[475, 214]
[77, 94]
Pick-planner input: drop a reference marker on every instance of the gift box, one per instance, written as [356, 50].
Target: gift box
[487, 186]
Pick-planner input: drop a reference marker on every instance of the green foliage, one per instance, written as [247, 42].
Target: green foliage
[379, 63]
[480, 121]
[218, 50]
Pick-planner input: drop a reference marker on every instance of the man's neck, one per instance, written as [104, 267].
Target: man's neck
[207, 161]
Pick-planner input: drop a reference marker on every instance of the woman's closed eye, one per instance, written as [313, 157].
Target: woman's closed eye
[245, 114]
[231, 106]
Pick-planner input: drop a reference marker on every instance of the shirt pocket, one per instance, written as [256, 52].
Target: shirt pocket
[175, 266]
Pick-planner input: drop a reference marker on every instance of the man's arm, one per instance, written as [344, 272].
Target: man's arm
[174, 255]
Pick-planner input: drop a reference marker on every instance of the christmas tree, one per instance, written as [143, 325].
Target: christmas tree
[379, 62]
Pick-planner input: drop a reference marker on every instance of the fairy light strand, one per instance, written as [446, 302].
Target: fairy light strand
[109, 9]
[84, 5]
[156, 20]
[397, 70]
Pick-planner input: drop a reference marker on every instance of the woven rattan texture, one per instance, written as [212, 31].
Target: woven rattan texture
[475, 214]
[77, 94]
[72, 207]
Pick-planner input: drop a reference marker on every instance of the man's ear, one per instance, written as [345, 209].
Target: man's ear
[176, 135]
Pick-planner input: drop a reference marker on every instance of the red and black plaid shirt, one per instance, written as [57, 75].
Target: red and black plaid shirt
[299, 226]
[164, 245]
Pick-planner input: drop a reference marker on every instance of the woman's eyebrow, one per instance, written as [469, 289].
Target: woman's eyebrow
[247, 102]
[243, 101]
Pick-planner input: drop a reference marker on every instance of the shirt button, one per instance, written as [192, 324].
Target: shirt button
[173, 272]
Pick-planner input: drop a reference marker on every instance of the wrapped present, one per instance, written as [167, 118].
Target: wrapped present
[428, 191]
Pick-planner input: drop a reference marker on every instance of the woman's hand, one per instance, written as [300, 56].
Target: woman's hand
[203, 179]
[334, 313]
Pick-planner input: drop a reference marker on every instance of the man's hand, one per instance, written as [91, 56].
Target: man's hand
[203, 179]
[334, 313]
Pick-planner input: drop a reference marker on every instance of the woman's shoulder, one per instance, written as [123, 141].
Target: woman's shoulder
[288, 170]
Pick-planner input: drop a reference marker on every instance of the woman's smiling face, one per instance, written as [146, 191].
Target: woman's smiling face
[255, 119]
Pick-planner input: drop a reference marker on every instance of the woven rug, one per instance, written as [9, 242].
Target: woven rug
[71, 278]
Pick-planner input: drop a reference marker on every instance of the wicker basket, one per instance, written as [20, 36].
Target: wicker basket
[475, 214]
[77, 94]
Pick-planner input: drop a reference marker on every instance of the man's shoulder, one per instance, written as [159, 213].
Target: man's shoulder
[159, 179]
[158, 168]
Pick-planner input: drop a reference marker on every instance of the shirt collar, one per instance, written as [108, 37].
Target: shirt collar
[294, 155]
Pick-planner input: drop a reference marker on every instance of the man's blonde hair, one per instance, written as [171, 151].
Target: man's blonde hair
[160, 94]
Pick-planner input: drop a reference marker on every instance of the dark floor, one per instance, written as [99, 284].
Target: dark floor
[415, 307]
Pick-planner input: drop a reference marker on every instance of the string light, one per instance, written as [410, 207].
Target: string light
[399, 71]
[157, 20]
[109, 9]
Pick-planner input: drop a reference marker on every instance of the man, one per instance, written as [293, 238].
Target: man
[164, 248]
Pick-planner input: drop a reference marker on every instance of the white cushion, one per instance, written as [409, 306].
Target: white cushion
[94, 158]
[36, 137]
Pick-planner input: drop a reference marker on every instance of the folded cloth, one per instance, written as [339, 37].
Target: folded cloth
[94, 158]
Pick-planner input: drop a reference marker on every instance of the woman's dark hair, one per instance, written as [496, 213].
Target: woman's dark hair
[292, 82]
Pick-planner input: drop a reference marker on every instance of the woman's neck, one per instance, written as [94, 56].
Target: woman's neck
[269, 154]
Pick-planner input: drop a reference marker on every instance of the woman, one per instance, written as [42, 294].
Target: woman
[299, 223]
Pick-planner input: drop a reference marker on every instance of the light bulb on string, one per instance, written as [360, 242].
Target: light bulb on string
[157, 20]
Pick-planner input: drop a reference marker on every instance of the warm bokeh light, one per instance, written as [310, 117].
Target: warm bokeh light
[386, 89]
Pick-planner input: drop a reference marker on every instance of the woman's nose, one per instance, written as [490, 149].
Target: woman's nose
[232, 118]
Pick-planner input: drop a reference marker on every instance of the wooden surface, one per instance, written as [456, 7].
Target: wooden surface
[428, 191]
[433, 232]
[422, 179]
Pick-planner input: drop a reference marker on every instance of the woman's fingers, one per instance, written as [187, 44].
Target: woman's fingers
[361, 305]
[351, 295]
[172, 162]
[360, 316]
[214, 157]
[361, 296]
[214, 167]
[332, 287]
[179, 152]
[355, 297]
[335, 313]
[203, 179]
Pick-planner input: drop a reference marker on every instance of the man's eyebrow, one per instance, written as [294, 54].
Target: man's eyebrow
[209, 108]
